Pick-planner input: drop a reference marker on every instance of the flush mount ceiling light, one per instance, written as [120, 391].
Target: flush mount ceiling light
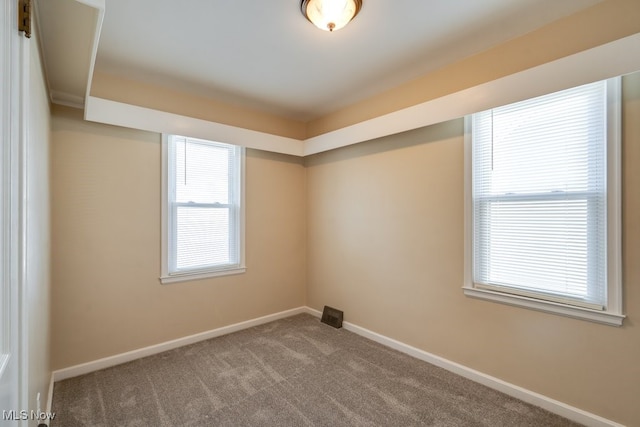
[330, 15]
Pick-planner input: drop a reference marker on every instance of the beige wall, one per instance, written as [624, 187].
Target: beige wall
[106, 245]
[385, 244]
[37, 234]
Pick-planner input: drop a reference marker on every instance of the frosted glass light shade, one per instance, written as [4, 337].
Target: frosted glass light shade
[330, 15]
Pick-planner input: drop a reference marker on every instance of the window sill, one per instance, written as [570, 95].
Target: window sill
[606, 318]
[185, 277]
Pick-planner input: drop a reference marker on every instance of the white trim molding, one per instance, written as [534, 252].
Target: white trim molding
[606, 318]
[99, 6]
[187, 277]
[50, 395]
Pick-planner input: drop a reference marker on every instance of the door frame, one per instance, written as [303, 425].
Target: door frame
[14, 81]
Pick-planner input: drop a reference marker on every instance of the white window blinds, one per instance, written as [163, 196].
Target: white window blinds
[539, 197]
[204, 205]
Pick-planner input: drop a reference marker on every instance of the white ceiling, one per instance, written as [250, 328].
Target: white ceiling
[265, 55]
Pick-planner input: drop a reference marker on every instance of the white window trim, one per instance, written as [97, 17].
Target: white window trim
[612, 314]
[165, 276]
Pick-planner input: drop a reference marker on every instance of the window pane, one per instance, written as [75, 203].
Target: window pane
[538, 244]
[202, 237]
[553, 143]
[202, 172]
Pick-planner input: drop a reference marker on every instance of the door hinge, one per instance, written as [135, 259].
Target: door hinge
[24, 17]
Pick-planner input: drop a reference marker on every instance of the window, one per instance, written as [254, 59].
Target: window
[542, 203]
[203, 218]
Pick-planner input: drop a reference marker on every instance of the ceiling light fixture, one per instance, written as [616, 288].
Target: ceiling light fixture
[330, 15]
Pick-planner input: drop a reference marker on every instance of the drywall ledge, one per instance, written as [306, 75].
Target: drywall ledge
[69, 31]
[602, 62]
[132, 116]
[599, 63]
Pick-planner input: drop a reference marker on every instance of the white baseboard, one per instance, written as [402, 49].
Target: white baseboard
[50, 397]
[118, 359]
[551, 405]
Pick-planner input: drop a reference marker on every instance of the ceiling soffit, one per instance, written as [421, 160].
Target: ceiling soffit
[337, 129]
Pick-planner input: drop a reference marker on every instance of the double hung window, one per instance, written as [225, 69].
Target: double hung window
[202, 209]
[543, 203]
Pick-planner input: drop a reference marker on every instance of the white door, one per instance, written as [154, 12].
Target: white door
[11, 371]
